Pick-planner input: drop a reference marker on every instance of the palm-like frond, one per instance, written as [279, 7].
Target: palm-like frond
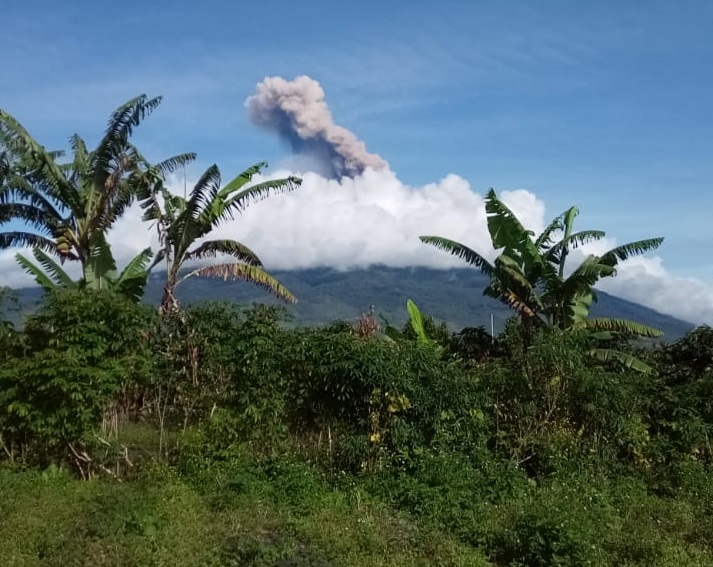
[150, 202]
[149, 183]
[5, 164]
[137, 267]
[512, 299]
[100, 270]
[588, 273]
[212, 248]
[621, 326]
[245, 272]
[23, 239]
[529, 275]
[19, 190]
[75, 200]
[29, 188]
[571, 242]
[546, 239]
[239, 201]
[203, 194]
[506, 231]
[157, 259]
[531, 285]
[132, 280]
[42, 279]
[81, 154]
[42, 220]
[624, 358]
[115, 208]
[173, 163]
[105, 203]
[119, 129]
[630, 249]
[35, 162]
[461, 251]
[575, 308]
[52, 276]
[183, 222]
[584, 237]
[418, 323]
[242, 179]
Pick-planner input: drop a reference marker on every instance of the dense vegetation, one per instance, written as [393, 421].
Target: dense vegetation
[216, 435]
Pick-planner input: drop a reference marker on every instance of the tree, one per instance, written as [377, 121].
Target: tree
[66, 209]
[529, 275]
[183, 223]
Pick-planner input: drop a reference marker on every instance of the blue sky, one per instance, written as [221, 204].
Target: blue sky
[605, 105]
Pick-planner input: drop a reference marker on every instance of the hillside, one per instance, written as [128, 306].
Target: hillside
[325, 295]
[454, 296]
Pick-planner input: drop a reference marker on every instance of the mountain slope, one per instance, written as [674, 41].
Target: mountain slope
[454, 296]
[324, 295]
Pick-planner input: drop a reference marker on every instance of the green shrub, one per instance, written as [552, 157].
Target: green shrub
[552, 409]
[80, 350]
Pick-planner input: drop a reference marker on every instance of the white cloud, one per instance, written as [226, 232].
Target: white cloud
[375, 218]
[645, 280]
[12, 274]
[370, 219]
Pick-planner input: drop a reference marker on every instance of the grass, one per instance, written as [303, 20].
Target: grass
[226, 514]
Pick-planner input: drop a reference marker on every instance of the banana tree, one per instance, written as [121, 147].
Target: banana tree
[183, 224]
[417, 320]
[66, 209]
[529, 274]
[131, 282]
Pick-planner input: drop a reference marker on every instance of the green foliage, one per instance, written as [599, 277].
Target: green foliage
[67, 209]
[379, 400]
[284, 510]
[474, 345]
[183, 222]
[681, 411]
[421, 328]
[692, 354]
[221, 436]
[8, 336]
[130, 283]
[529, 276]
[552, 409]
[219, 359]
[79, 350]
[55, 521]
[451, 492]
[241, 441]
[563, 523]
[417, 321]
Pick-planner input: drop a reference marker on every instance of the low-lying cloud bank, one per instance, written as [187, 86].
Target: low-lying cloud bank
[375, 218]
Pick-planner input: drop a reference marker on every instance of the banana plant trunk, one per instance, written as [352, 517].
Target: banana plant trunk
[169, 303]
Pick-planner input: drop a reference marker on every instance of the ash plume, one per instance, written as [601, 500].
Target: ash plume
[297, 111]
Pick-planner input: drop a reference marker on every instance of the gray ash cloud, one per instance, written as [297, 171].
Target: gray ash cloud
[297, 111]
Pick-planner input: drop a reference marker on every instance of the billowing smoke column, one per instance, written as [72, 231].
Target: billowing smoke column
[297, 111]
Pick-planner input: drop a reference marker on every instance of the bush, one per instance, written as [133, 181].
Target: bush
[80, 350]
[375, 402]
[553, 409]
[681, 399]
